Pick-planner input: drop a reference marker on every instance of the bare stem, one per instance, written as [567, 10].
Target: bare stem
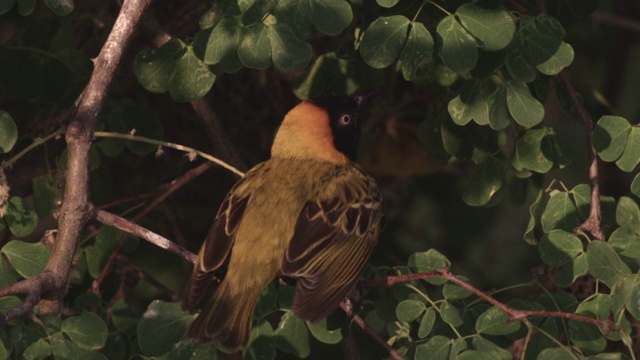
[593, 224]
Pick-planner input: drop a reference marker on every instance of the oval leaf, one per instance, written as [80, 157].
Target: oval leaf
[331, 17]
[288, 52]
[525, 109]
[27, 259]
[382, 41]
[409, 310]
[86, 330]
[610, 137]
[8, 132]
[161, 326]
[292, 336]
[459, 49]
[493, 28]
[417, 50]
[559, 247]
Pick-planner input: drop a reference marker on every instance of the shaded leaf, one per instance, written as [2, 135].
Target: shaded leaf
[220, 44]
[568, 274]
[560, 60]
[605, 264]
[525, 109]
[484, 184]
[296, 14]
[629, 158]
[86, 330]
[20, 219]
[27, 259]
[559, 247]
[321, 331]
[154, 68]
[255, 48]
[261, 344]
[8, 132]
[417, 50]
[496, 322]
[560, 213]
[288, 52]
[539, 38]
[493, 28]
[60, 7]
[409, 310]
[65, 349]
[437, 348]
[610, 137]
[161, 326]
[450, 314]
[331, 17]
[191, 78]
[517, 66]
[426, 324]
[292, 336]
[459, 50]
[383, 39]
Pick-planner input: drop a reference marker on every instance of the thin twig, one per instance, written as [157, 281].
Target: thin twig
[593, 224]
[123, 224]
[347, 306]
[186, 149]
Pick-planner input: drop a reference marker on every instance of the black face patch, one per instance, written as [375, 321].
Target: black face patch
[344, 122]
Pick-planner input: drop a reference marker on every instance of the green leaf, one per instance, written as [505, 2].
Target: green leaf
[387, 3]
[450, 314]
[219, 45]
[493, 28]
[417, 50]
[409, 310]
[261, 344]
[539, 38]
[8, 275]
[525, 109]
[124, 318]
[45, 194]
[484, 184]
[86, 330]
[60, 7]
[496, 322]
[560, 213]
[530, 150]
[65, 349]
[255, 48]
[6, 5]
[296, 14]
[626, 242]
[161, 326]
[556, 354]
[292, 336]
[27, 259]
[26, 7]
[191, 350]
[560, 60]
[155, 68]
[9, 302]
[559, 247]
[19, 217]
[426, 324]
[571, 271]
[453, 291]
[486, 350]
[383, 40]
[191, 78]
[8, 132]
[99, 252]
[629, 158]
[459, 49]
[605, 264]
[498, 109]
[599, 306]
[535, 212]
[331, 17]
[610, 137]
[587, 337]
[320, 331]
[628, 213]
[288, 52]
[624, 295]
[635, 185]
[517, 66]
[437, 348]
[429, 260]
[40, 349]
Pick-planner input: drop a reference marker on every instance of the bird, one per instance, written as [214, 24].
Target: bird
[308, 212]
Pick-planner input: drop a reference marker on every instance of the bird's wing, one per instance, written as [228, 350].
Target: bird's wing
[332, 241]
[220, 238]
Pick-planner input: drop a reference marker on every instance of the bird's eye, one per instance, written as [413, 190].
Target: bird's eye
[345, 119]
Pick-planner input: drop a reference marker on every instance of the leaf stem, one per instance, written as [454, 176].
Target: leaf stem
[160, 143]
[418, 12]
[439, 7]
[36, 142]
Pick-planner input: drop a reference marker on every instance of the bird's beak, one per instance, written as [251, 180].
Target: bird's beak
[365, 98]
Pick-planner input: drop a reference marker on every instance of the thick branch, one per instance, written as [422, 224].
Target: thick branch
[76, 208]
[593, 224]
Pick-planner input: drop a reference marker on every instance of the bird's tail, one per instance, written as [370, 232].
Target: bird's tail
[225, 319]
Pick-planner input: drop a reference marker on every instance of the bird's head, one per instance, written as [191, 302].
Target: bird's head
[322, 128]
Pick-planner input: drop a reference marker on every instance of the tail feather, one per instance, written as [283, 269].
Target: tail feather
[225, 320]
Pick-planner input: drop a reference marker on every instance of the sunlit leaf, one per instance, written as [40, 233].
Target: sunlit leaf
[559, 247]
[8, 132]
[495, 322]
[605, 264]
[525, 109]
[86, 330]
[629, 158]
[409, 310]
[560, 60]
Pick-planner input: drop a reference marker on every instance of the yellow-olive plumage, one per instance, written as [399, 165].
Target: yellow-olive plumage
[308, 212]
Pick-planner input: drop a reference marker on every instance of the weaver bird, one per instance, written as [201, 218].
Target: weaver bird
[308, 212]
